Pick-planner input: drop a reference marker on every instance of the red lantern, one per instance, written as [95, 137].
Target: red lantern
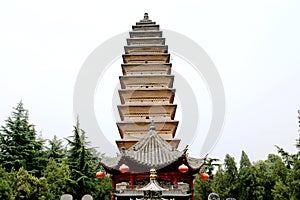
[124, 168]
[204, 176]
[100, 174]
[183, 168]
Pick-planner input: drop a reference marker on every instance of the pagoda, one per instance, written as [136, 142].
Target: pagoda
[147, 127]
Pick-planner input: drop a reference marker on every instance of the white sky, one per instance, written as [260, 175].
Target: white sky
[253, 44]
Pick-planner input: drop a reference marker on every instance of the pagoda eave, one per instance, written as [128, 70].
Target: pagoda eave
[146, 69]
[147, 111]
[155, 95]
[135, 34]
[146, 58]
[144, 27]
[146, 40]
[146, 49]
[146, 81]
[142, 127]
[145, 23]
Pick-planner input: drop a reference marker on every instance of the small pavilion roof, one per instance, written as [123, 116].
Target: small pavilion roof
[153, 184]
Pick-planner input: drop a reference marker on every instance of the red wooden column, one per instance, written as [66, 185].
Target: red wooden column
[175, 179]
[131, 182]
[113, 187]
[192, 189]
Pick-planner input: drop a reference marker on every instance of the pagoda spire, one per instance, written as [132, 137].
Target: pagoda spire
[146, 17]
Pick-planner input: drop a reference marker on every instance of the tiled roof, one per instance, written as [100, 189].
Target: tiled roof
[152, 186]
[151, 151]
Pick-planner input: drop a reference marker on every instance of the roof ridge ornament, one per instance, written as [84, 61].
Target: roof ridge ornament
[153, 174]
[152, 126]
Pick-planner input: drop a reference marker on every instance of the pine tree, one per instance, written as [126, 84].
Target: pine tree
[84, 163]
[244, 162]
[19, 146]
[231, 175]
[56, 150]
[244, 177]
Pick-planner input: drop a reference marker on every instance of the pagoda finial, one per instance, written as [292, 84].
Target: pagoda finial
[152, 174]
[146, 16]
[152, 126]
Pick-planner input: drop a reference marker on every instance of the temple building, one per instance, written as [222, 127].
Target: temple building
[147, 127]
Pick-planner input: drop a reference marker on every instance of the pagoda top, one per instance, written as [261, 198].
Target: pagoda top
[146, 18]
[151, 151]
[145, 21]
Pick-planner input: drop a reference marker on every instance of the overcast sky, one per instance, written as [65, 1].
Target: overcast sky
[254, 45]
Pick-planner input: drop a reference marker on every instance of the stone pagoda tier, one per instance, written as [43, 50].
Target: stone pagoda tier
[147, 91]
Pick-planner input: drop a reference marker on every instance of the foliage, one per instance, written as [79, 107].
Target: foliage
[31, 170]
[6, 191]
[30, 187]
[83, 163]
[56, 149]
[57, 175]
[19, 146]
[202, 188]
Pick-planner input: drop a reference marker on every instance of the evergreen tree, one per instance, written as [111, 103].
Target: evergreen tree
[6, 191]
[280, 191]
[244, 177]
[298, 140]
[293, 181]
[19, 146]
[244, 162]
[30, 187]
[225, 182]
[57, 176]
[56, 150]
[231, 175]
[219, 184]
[202, 188]
[84, 163]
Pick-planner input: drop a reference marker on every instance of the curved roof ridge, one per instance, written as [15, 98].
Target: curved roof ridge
[153, 150]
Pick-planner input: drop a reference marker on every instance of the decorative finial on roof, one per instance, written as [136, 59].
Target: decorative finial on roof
[152, 174]
[185, 149]
[152, 126]
[146, 17]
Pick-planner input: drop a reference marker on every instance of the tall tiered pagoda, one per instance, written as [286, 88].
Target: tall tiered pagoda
[147, 127]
